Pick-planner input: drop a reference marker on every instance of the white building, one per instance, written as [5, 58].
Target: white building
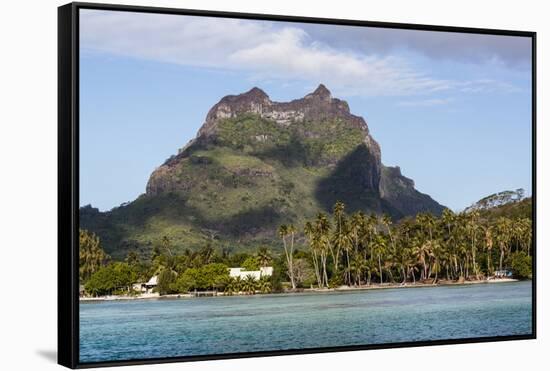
[240, 272]
[148, 287]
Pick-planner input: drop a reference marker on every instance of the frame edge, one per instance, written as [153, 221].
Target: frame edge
[67, 314]
[68, 54]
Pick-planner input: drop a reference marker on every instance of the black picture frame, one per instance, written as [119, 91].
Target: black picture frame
[68, 180]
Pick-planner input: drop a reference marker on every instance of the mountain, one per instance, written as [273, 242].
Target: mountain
[253, 165]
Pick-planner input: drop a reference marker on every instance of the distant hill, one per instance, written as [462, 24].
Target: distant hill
[256, 164]
[510, 204]
[498, 199]
[513, 210]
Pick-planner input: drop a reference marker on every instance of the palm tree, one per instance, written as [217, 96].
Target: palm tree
[387, 222]
[357, 266]
[238, 284]
[504, 229]
[472, 227]
[379, 248]
[231, 286]
[338, 213]
[524, 234]
[314, 246]
[249, 285]
[322, 227]
[448, 246]
[422, 251]
[91, 254]
[448, 218]
[264, 256]
[264, 284]
[284, 231]
[342, 241]
[489, 247]
[436, 254]
[356, 231]
[292, 231]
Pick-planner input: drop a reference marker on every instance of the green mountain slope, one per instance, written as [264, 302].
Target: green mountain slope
[256, 164]
[514, 210]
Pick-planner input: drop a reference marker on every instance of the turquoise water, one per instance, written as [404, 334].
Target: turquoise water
[121, 330]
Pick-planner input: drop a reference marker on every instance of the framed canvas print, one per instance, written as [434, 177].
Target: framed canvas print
[239, 185]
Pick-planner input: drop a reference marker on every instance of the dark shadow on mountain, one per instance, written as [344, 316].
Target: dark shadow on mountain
[135, 213]
[114, 227]
[354, 181]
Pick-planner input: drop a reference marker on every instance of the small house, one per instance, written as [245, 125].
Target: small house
[240, 272]
[150, 285]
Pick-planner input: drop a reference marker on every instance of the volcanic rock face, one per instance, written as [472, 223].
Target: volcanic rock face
[254, 165]
[317, 107]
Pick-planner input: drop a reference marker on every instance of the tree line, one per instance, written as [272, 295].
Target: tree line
[328, 251]
[359, 248]
[205, 269]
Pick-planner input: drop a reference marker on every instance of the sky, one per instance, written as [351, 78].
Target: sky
[453, 110]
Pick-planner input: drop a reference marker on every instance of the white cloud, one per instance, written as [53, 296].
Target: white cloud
[261, 50]
[288, 55]
[510, 51]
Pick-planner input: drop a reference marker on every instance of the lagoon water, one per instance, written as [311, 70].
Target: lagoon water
[122, 330]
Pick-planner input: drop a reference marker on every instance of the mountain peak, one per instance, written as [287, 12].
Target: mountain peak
[321, 92]
[256, 92]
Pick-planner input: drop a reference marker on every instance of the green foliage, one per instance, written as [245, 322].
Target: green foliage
[210, 276]
[248, 285]
[356, 249]
[243, 131]
[251, 264]
[264, 256]
[165, 281]
[335, 281]
[264, 285]
[279, 276]
[92, 256]
[521, 264]
[303, 273]
[115, 276]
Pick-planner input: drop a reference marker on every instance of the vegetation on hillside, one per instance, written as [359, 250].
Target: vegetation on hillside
[337, 249]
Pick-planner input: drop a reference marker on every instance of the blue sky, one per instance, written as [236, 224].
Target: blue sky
[452, 110]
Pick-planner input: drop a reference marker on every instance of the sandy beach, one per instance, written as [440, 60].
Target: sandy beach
[374, 286]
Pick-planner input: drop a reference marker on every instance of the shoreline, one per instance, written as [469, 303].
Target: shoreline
[302, 291]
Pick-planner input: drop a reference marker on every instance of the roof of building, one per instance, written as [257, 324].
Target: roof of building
[152, 281]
